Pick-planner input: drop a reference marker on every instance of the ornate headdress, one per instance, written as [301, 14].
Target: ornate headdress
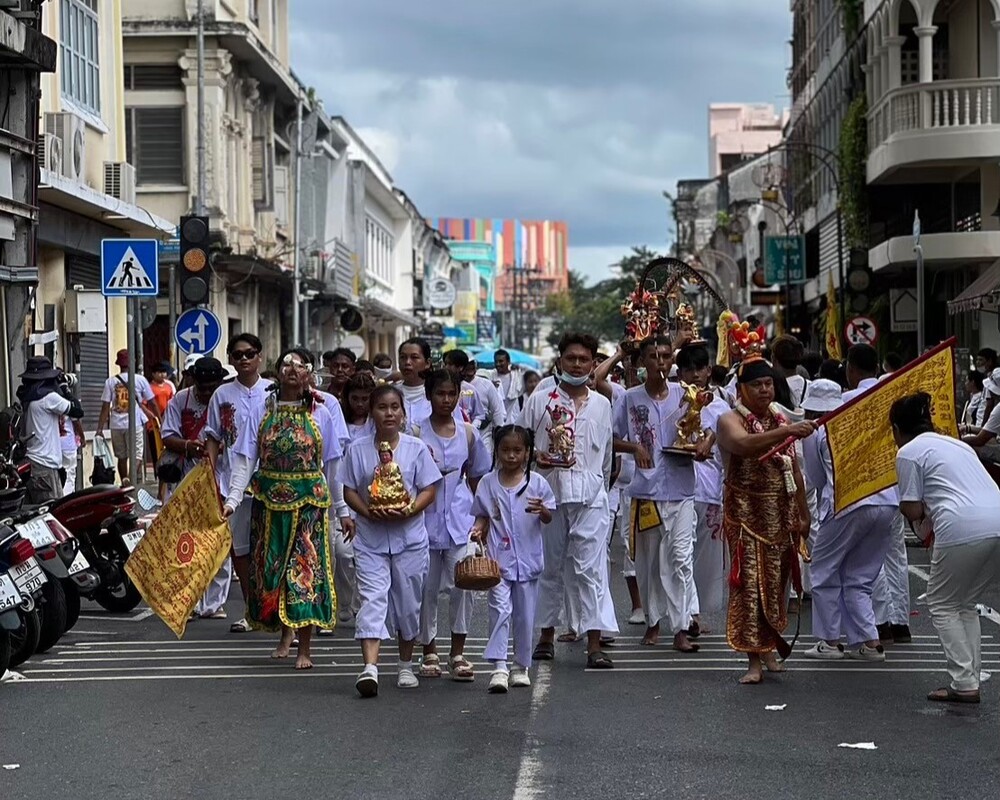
[728, 354]
[751, 345]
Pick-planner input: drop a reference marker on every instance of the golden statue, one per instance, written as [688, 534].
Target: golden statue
[387, 491]
[690, 432]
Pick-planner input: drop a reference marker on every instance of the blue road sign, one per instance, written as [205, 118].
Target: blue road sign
[130, 268]
[198, 331]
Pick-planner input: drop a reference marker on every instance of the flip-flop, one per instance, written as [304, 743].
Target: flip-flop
[948, 695]
[567, 637]
[544, 651]
[599, 660]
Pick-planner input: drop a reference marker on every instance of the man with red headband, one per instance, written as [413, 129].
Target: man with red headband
[765, 515]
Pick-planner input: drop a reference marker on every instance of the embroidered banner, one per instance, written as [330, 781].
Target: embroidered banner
[184, 548]
[859, 433]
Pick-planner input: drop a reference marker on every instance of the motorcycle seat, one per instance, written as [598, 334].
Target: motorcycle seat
[87, 492]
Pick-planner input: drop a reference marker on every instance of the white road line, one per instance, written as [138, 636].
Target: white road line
[922, 574]
[139, 616]
[529, 771]
[828, 668]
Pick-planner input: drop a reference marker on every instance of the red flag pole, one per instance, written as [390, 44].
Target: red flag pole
[948, 343]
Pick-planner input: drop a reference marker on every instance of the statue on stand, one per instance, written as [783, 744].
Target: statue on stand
[387, 491]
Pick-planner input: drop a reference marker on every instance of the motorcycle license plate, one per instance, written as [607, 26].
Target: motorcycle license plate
[10, 597]
[28, 576]
[132, 539]
[79, 564]
[37, 532]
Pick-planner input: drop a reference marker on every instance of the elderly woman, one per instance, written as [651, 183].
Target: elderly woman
[950, 501]
[296, 443]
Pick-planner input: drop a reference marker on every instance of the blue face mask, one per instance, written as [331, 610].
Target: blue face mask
[572, 380]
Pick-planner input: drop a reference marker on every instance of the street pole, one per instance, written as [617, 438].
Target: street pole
[919, 250]
[172, 300]
[296, 264]
[132, 316]
[840, 267]
[200, 202]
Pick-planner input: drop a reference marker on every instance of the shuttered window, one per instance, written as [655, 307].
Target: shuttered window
[153, 77]
[154, 144]
[86, 272]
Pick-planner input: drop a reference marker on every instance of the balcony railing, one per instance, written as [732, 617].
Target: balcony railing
[942, 105]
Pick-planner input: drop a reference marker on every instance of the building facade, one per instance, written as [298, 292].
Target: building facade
[737, 132]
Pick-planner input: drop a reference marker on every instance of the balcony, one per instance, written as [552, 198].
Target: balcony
[934, 124]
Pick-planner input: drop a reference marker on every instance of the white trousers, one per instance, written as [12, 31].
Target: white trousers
[846, 559]
[960, 574]
[512, 608]
[344, 580]
[891, 595]
[708, 594]
[69, 464]
[628, 565]
[390, 585]
[575, 577]
[239, 527]
[441, 581]
[664, 565]
[218, 590]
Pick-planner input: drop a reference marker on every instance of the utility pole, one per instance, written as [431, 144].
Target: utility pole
[919, 250]
[200, 201]
[297, 338]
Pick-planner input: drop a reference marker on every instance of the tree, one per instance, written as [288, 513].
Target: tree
[597, 309]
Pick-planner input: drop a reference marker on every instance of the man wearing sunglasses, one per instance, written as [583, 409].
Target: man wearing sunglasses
[229, 409]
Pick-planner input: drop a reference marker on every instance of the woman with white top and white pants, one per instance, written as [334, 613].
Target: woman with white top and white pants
[950, 500]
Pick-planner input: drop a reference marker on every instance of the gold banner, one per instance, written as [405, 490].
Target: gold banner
[184, 548]
[860, 436]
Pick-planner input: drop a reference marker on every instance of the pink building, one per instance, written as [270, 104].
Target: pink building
[738, 132]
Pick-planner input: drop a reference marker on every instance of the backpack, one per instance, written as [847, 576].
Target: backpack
[120, 399]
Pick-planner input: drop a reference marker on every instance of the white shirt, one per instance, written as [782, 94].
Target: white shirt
[510, 386]
[116, 395]
[797, 388]
[231, 406]
[586, 481]
[708, 474]
[492, 405]
[993, 423]
[946, 475]
[44, 445]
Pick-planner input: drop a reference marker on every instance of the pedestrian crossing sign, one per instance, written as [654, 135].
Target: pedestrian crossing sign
[129, 268]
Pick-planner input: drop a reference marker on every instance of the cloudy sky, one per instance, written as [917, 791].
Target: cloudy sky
[583, 110]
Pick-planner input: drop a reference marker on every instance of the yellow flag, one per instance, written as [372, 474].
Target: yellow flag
[859, 433]
[832, 322]
[184, 548]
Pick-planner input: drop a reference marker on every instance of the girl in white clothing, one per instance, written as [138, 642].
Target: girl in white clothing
[511, 506]
[463, 459]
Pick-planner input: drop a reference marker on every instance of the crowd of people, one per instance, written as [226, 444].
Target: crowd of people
[353, 491]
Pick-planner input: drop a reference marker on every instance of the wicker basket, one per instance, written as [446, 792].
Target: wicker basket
[477, 573]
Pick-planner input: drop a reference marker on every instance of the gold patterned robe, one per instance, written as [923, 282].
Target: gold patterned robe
[760, 514]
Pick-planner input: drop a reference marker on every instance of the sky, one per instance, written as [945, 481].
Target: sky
[579, 110]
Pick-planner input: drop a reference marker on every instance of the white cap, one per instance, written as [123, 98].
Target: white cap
[191, 360]
[822, 396]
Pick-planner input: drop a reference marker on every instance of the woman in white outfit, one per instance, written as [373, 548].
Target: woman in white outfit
[954, 506]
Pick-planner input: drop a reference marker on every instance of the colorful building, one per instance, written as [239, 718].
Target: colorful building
[540, 246]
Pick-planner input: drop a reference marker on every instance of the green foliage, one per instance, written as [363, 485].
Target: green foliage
[596, 309]
[853, 179]
[851, 11]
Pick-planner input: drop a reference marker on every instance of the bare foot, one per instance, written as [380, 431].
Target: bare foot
[771, 663]
[683, 644]
[652, 636]
[303, 662]
[752, 677]
[569, 636]
[282, 650]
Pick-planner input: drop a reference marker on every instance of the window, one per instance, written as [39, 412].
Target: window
[154, 76]
[253, 12]
[78, 43]
[154, 144]
[378, 250]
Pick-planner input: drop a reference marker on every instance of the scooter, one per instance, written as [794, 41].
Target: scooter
[18, 563]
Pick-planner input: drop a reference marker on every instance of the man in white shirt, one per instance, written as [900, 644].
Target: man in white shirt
[850, 548]
[573, 450]
[45, 404]
[484, 407]
[508, 382]
[116, 404]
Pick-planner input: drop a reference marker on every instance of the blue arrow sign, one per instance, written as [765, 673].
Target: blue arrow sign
[198, 330]
[130, 268]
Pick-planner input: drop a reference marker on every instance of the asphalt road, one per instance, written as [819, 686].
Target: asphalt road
[121, 709]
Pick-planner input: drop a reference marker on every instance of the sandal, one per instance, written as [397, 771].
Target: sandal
[430, 666]
[569, 636]
[544, 651]
[949, 695]
[461, 669]
[598, 660]
[241, 626]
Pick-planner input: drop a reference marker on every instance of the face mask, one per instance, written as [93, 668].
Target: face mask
[640, 374]
[383, 372]
[572, 380]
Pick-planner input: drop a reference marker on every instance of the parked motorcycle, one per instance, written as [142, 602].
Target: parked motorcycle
[18, 563]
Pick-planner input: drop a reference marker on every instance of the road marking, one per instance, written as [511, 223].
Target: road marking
[919, 573]
[529, 783]
[139, 616]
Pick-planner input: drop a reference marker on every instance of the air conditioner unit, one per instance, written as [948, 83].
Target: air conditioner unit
[119, 181]
[50, 153]
[71, 130]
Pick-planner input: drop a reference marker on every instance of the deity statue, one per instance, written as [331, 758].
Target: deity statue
[690, 431]
[387, 491]
[641, 311]
[562, 437]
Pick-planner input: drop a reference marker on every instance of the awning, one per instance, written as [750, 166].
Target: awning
[383, 311]
[976, 293]
[454, 333]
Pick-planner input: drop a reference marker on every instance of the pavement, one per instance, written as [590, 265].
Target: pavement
[120, 708]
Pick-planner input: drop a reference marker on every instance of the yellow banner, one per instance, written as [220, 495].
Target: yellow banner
[648, 518]
[183, 550]
[860, 436]
[832, 322]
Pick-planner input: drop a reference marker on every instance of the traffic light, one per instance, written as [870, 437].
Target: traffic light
[194, 260]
